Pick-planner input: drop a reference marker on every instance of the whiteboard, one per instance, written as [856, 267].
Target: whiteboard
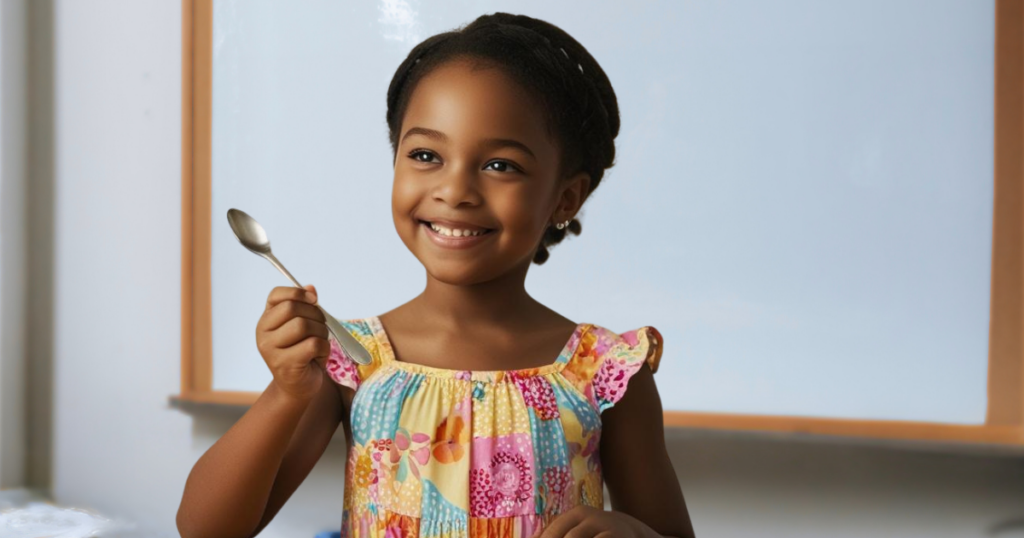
[802, 201]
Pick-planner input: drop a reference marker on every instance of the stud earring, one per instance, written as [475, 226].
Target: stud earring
[562, 225]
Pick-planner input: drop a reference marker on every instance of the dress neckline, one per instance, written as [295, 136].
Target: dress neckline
[387, 354]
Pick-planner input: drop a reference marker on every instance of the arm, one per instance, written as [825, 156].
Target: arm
[241, 482]
[301, 456]
[641, 480]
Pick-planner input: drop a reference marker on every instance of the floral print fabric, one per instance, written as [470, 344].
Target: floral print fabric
[460, 453]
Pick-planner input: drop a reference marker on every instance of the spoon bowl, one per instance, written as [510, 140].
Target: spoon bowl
[248, 231]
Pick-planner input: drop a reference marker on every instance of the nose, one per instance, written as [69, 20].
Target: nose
[457, 185]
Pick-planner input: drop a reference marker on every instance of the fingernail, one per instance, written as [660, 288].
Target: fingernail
[311, 297]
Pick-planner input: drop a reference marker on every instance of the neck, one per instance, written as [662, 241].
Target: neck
[500, 301]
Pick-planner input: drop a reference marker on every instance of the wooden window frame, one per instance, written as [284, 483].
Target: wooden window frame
[1004, 420]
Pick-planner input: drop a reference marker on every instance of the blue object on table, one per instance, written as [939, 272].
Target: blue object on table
[328, 534]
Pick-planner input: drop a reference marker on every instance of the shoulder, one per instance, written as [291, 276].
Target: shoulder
[605, 360]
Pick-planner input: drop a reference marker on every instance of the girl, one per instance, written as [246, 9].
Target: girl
[483, 412]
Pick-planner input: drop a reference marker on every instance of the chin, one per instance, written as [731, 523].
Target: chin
[457, 272]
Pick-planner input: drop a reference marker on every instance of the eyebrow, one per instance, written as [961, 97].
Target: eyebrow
[492, 142]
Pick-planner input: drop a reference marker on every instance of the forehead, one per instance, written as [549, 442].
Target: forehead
[469, 102]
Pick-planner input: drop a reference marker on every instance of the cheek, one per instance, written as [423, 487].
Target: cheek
[522, 214]
[403, 203]
[404, 197]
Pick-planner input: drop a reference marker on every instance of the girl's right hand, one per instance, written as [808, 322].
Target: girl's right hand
[292, 337]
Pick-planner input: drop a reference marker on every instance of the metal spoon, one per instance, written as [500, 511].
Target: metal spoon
[251, 235]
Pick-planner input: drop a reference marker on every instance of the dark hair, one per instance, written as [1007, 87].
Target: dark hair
[580, 106]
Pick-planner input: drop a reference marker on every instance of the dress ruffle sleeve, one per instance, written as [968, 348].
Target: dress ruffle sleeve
[342, 369]
[606, 360]
[622, 360]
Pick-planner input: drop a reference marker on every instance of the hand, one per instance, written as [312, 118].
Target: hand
[587, 522]
[292, 337]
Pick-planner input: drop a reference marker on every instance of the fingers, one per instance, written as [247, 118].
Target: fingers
[561, 525]
[317, 348]
[291, 316]
[291, 293]
[285, 311]
[292, 333]
[286, 303]
[296, 329]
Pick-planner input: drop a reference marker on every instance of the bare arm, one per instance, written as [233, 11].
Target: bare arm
[641, 480]
[238, 485]
[313, 434]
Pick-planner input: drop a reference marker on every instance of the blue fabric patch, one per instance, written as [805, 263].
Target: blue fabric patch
[568, 397]
[439, 515]
[549, 450]
[377, 406]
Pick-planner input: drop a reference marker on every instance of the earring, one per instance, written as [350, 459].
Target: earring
[562, 225]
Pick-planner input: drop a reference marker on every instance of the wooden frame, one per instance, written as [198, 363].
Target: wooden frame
[1004, 423]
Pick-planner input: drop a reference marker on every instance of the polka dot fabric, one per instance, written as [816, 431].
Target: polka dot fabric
[495, 453]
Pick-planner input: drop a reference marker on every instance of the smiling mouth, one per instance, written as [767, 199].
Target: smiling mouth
[431, 227]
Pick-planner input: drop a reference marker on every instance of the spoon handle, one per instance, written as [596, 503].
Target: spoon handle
[270, 258]
[351, 346]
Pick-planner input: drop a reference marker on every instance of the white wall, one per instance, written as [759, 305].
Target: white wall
[743, 121]
[13, 430]
[118, 448]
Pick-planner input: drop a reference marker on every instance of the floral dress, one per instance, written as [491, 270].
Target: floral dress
[458, 453]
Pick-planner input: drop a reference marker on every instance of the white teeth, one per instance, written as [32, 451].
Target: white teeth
[453, 233]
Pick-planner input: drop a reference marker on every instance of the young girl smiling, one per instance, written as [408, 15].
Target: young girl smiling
[483, 412]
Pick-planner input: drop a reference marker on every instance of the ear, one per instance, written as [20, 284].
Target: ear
[574, 192]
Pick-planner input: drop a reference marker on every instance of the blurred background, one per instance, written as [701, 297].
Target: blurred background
[91, 250]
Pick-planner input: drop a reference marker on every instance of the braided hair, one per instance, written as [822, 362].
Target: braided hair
[580, 107]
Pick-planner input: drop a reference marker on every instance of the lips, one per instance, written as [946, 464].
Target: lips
[453, 242]
[456, 225]
[427, 225]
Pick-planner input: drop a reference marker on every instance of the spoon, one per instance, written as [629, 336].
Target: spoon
[253, 237]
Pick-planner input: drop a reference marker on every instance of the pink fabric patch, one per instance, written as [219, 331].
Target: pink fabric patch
[538, 395]
[558, 483]
[618, 366]
[501, 477]
[341, 367]
[632, 337]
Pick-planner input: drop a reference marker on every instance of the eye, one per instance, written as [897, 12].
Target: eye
[416, 152]
[506, 164]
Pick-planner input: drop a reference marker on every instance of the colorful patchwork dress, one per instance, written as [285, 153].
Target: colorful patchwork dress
[456, 453]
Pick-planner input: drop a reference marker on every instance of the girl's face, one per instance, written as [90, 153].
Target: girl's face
[473, 149]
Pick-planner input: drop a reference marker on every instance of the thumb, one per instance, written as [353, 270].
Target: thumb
[312, 288]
